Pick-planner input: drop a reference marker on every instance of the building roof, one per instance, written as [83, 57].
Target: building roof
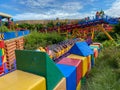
[4, 15]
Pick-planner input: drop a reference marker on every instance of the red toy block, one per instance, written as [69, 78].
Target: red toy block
[2, 44]
[73, 62]
[2, 69]
[2, 58]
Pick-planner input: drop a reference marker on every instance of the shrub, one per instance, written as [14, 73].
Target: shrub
[101, 37]
[35, 39]
[109, 43]
[117, 28]
[4, 29]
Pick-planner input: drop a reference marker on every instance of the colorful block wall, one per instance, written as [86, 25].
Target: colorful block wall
[68, 74]
[2, 59]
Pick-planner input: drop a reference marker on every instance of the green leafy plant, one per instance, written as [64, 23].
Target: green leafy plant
[117, 28]
[100, 36]
[4, 29]
[36, 39]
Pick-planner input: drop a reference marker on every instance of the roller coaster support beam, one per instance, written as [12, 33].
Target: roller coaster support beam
[106, 33]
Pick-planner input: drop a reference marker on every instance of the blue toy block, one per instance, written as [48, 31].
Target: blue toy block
[0, 60]
[69, 73]
[9, 35]
[5, 68]
[20, 33]
[81, 48]
[26, 32]
[92, 60]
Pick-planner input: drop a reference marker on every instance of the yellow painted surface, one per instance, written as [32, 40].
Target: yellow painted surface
[89, 62]
[3, 51]
[19, 80]
[79, 86]
[89, 58]
[61, 85]
[4, 59]
[84, 62]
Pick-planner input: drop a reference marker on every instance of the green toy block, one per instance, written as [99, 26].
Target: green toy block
[0, 52]
[40, 64]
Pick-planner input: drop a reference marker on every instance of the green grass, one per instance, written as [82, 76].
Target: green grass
[106, 73]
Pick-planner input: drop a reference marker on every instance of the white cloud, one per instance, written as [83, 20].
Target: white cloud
[38, 10]
[51, 9]
[40, 5]
[72, 6]
[36, 16]
[114, 10]
[36, 3]
[52, 15]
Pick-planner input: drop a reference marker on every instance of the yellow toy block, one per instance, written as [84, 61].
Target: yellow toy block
[89, 62]
[79, 86]
[84, 62]
[3, 51]
[61, 85]
[89, 58]
[19, 80]
[4, 59]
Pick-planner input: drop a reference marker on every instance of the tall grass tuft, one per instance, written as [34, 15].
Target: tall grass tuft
[106, 73]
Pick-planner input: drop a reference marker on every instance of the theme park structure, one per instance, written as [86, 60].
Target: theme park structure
[9, 20]
[86, 27]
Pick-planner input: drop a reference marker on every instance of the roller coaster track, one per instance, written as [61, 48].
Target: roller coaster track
[81, 28]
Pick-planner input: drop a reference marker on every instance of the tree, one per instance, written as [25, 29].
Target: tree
[39, 26]
[50, 24]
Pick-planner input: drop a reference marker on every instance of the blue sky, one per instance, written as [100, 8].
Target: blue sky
[63, 9]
